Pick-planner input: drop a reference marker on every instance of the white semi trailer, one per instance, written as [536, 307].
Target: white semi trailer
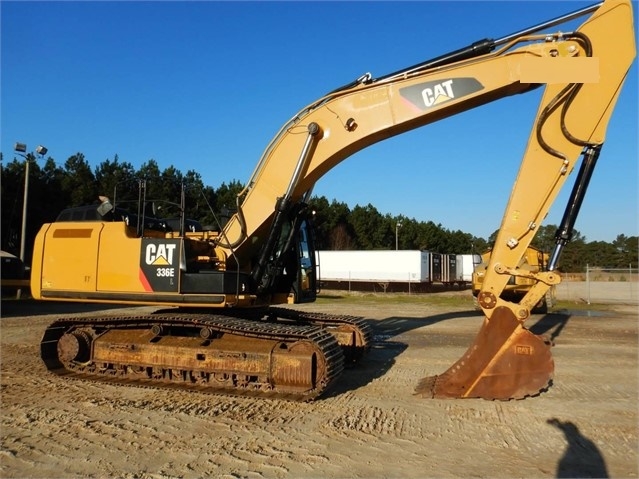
[417, 267]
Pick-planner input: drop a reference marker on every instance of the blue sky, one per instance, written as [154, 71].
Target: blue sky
[205, 85]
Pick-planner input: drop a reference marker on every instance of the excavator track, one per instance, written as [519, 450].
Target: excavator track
[200, 352]
[353, 333]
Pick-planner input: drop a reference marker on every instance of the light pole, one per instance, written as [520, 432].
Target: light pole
[397, 227]
[21, 150]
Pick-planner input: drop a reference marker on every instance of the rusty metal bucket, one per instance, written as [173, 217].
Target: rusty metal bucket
[506, 361]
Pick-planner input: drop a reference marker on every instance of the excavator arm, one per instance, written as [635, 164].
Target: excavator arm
[581, 72]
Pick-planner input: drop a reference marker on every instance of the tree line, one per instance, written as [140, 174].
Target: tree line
[53, 188]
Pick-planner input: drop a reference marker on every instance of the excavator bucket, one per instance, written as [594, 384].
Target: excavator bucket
[506, 361]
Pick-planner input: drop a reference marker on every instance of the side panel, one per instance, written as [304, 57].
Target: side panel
[70, 256]
[119, 260]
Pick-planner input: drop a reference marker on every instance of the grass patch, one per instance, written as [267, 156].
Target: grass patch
[457, 300]
[464, 301]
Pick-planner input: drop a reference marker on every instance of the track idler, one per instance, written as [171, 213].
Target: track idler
[506, 361]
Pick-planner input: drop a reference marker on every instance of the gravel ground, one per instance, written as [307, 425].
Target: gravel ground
[371, 425]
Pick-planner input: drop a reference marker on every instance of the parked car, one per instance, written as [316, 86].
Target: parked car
[14, 275]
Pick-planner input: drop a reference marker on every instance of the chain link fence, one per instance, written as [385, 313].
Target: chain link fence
[601, 285]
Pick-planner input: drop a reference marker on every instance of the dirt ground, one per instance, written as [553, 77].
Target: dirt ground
[370, 426]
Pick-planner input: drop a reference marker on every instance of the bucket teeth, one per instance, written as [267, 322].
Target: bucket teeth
[426, 386]
[506, 361]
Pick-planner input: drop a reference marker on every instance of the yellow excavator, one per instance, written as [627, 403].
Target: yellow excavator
[533, 261]
[219, 328]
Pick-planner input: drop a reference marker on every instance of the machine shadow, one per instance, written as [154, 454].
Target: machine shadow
[550, 325]
[384, 349]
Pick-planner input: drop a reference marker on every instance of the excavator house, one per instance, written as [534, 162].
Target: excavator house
[218, 327]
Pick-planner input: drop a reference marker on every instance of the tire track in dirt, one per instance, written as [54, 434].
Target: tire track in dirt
[370, 420]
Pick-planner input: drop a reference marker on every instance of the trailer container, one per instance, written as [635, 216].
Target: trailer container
[375, 265]
[399, 268]
[466, 264]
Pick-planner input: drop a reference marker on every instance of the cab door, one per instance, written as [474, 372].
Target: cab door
[305, 285]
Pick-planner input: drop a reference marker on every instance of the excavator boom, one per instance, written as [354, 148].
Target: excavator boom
[349, 119]
[583, 72]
